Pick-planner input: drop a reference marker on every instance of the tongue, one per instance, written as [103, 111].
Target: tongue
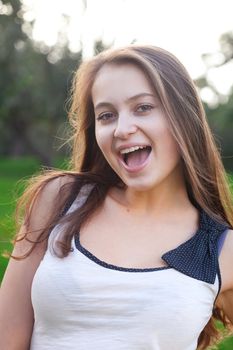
[136, 158]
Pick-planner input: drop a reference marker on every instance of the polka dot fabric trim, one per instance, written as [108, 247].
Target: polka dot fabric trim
[196, 257]
[110, 266]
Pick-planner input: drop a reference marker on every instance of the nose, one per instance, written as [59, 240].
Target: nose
[124, 127]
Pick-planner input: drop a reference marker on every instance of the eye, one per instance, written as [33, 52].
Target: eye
[105, 116]
[144, 108]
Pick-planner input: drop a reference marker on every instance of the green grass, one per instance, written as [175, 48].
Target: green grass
[11, 171]
[226, 344]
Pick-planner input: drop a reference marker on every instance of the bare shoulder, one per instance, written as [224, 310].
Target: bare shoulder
[226, 262]
[51, 190]
[225, 298]
[39, 216]
[49, 194]
[41, 212]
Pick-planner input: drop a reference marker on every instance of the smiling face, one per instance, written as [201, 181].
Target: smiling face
[131, 128]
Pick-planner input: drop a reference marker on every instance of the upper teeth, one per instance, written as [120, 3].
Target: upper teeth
[131, 149]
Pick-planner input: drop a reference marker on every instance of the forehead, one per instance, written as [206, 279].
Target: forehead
[124, 79]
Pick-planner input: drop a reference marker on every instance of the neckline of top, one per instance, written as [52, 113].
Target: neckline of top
[203, 225]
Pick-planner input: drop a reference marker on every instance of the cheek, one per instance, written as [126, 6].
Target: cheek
[167, 145]
[98, 137]
[171, 149]
[103, 138]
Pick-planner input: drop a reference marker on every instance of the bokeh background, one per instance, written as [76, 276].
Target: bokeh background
[42, 43]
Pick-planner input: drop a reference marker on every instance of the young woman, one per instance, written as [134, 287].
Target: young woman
[133, 247]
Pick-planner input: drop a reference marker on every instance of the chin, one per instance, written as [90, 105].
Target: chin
[141, 186]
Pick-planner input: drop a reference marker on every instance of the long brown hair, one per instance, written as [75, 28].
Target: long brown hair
[204, 173]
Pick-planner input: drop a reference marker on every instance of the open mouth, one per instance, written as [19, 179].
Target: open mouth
[136, 156]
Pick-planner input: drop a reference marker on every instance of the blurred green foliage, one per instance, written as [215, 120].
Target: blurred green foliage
[34, 85]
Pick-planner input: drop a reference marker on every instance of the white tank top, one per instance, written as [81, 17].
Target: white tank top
[83, 303]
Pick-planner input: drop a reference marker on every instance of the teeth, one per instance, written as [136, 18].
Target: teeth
[131, 149]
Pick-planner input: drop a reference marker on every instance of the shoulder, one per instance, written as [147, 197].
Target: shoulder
[227, 250]
[226, 261]
[225, 298]
[51, 186]
[44, 200]
[51, 190]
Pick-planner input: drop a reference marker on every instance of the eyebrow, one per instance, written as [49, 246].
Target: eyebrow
[107, 104]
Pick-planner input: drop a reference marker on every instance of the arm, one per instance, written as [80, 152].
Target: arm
[225, 298]
[16, 313]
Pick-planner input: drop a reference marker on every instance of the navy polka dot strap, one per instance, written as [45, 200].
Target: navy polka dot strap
[198, 257]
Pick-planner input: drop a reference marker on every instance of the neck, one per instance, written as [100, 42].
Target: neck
[170, 195]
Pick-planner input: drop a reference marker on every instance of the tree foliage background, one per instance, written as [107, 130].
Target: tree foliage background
[35, 81]
[34, 84]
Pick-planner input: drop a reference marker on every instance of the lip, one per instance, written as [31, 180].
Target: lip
[134, 169]
[128, 145]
